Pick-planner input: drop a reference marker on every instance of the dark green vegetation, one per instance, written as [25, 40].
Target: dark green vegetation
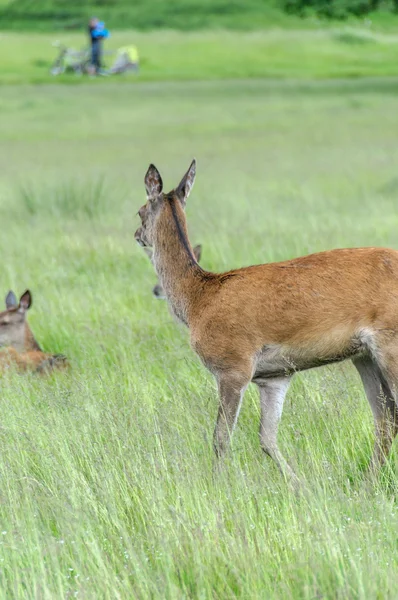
[180, 14]
[143, 14]
[107, 487]
[338, 9]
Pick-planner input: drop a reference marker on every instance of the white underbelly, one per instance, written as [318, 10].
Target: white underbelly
[278, 361]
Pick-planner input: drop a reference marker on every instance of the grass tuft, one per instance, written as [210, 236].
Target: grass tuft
[70, 199]
[354, 38]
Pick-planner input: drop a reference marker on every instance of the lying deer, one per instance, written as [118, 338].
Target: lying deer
[266, 322]
[21, 350]
[158, 291]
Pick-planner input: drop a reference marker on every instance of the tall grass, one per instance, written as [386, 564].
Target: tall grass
[69, 199]
[107, 487]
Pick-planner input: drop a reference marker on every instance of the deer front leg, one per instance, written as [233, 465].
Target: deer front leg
[231, 388]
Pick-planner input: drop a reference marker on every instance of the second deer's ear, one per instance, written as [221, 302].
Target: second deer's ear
[148, 251]
[186, 184]
[197, 252]
[25, 301]
[11, 300]
[153, 183]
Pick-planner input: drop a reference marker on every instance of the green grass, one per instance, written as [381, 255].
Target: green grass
[107, 487]
[343, 52]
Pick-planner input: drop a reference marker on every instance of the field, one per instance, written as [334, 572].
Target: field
[107, 485]
[313, 52]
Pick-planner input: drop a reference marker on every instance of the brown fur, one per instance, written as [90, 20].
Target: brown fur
[20, 348]
[263, 323]
[35, 360]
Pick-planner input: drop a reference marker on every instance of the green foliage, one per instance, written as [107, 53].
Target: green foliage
[338, 9]
[107, 483]
[178, 14]
[141, 14]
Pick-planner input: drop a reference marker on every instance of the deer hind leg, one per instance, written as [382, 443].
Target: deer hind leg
[231, 387]
[380, 385]
[272, 396]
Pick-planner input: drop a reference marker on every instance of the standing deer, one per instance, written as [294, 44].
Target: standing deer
[21, 350]
[264, 323]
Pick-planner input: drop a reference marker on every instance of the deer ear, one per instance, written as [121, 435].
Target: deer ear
[186, 183]
[148, 251]
[25, 301]
[153, 183]
[197, 252]
[11, 300]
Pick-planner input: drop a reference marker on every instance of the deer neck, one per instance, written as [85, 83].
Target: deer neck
[174, 261]
[30, 342]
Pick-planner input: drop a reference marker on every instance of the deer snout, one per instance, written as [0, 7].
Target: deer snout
[60, 358]
[56, 361]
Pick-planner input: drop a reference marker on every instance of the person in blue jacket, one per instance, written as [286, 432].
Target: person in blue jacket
[97, 33]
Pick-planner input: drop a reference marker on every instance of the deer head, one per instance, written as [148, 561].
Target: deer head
[14, 329]
[150, 211]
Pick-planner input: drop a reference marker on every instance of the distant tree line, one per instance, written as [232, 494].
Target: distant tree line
[50, 15]
[338, 9]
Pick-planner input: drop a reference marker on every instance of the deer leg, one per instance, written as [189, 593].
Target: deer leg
[272, 396]
[231, 388]
[381, 397]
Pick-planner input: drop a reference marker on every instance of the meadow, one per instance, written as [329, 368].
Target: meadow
[107, 484]
[311, 51]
